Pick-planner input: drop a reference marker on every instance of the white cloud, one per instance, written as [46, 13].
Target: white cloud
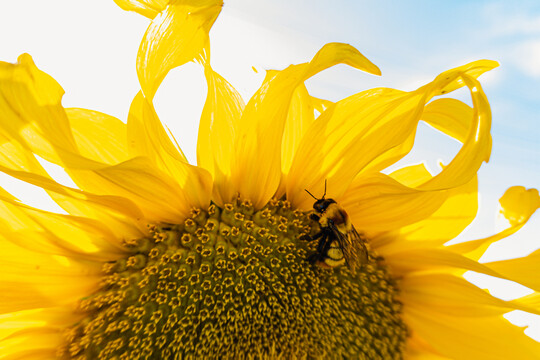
[507, 19]
[527, 57]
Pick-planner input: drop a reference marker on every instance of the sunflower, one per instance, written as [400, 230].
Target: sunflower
[157, 258]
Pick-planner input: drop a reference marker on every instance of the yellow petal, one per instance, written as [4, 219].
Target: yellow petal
[257, 168]
[474, 338]
[53, 233]
[518, 206]
[28, 344]
[524, 270]
[98, 136]
[57, 317]
[412, 175]
[453, 295]
[177, 35]
[379, 203]
[453, 78]
[31, 280]
[159, 196]
[147, 137]
[33, 117]
[122, 216]
[477, 145]
[31, 112]
[301, 115]
[148, 8]
[455, 214]
[450, 116]
[406, 262]
[372, 123]
[217, 130]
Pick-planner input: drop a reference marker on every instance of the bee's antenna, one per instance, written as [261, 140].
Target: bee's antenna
[311, 194]
[324, 189]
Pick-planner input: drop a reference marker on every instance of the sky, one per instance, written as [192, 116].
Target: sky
[90, 49]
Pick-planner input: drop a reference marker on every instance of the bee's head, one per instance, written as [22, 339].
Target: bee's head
[321, 205]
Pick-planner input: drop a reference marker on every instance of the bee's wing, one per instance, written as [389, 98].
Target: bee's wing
[352, 245]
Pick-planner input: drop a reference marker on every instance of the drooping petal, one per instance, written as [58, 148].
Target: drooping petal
[519, 204]
[263, 121]
[58, 234]
[148, 8]
[217, 132]
[375, 121]
[451, 116]
[177, 35]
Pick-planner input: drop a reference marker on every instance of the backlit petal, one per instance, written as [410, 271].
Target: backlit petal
[98, 136]
[379, 203]
[31, 280]
[148, 8]
[454, 295]
[375, 121]
[217, 132]
[159, 196]
[177, 35]
[263, 122]
[523, 270]
[519, 205]
[474, 338]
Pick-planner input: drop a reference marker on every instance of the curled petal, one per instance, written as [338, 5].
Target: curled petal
[476, 146]
[148, 8]
[263, 121]
[177, 35]
[518, 204]
[374, 122]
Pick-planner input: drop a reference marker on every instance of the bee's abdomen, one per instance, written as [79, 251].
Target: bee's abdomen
[334, 255]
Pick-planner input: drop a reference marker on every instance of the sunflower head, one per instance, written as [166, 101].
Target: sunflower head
[155, 258]
[231, 280]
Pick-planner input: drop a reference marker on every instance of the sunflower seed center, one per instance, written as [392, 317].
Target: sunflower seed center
[232, 282]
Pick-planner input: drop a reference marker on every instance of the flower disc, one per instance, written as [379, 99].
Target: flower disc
[235, 283]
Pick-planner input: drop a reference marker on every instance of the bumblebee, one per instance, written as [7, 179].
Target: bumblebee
[339, 242]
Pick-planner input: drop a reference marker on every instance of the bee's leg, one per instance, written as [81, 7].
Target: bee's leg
[314, 217]
[311, 238]
[319, 254]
